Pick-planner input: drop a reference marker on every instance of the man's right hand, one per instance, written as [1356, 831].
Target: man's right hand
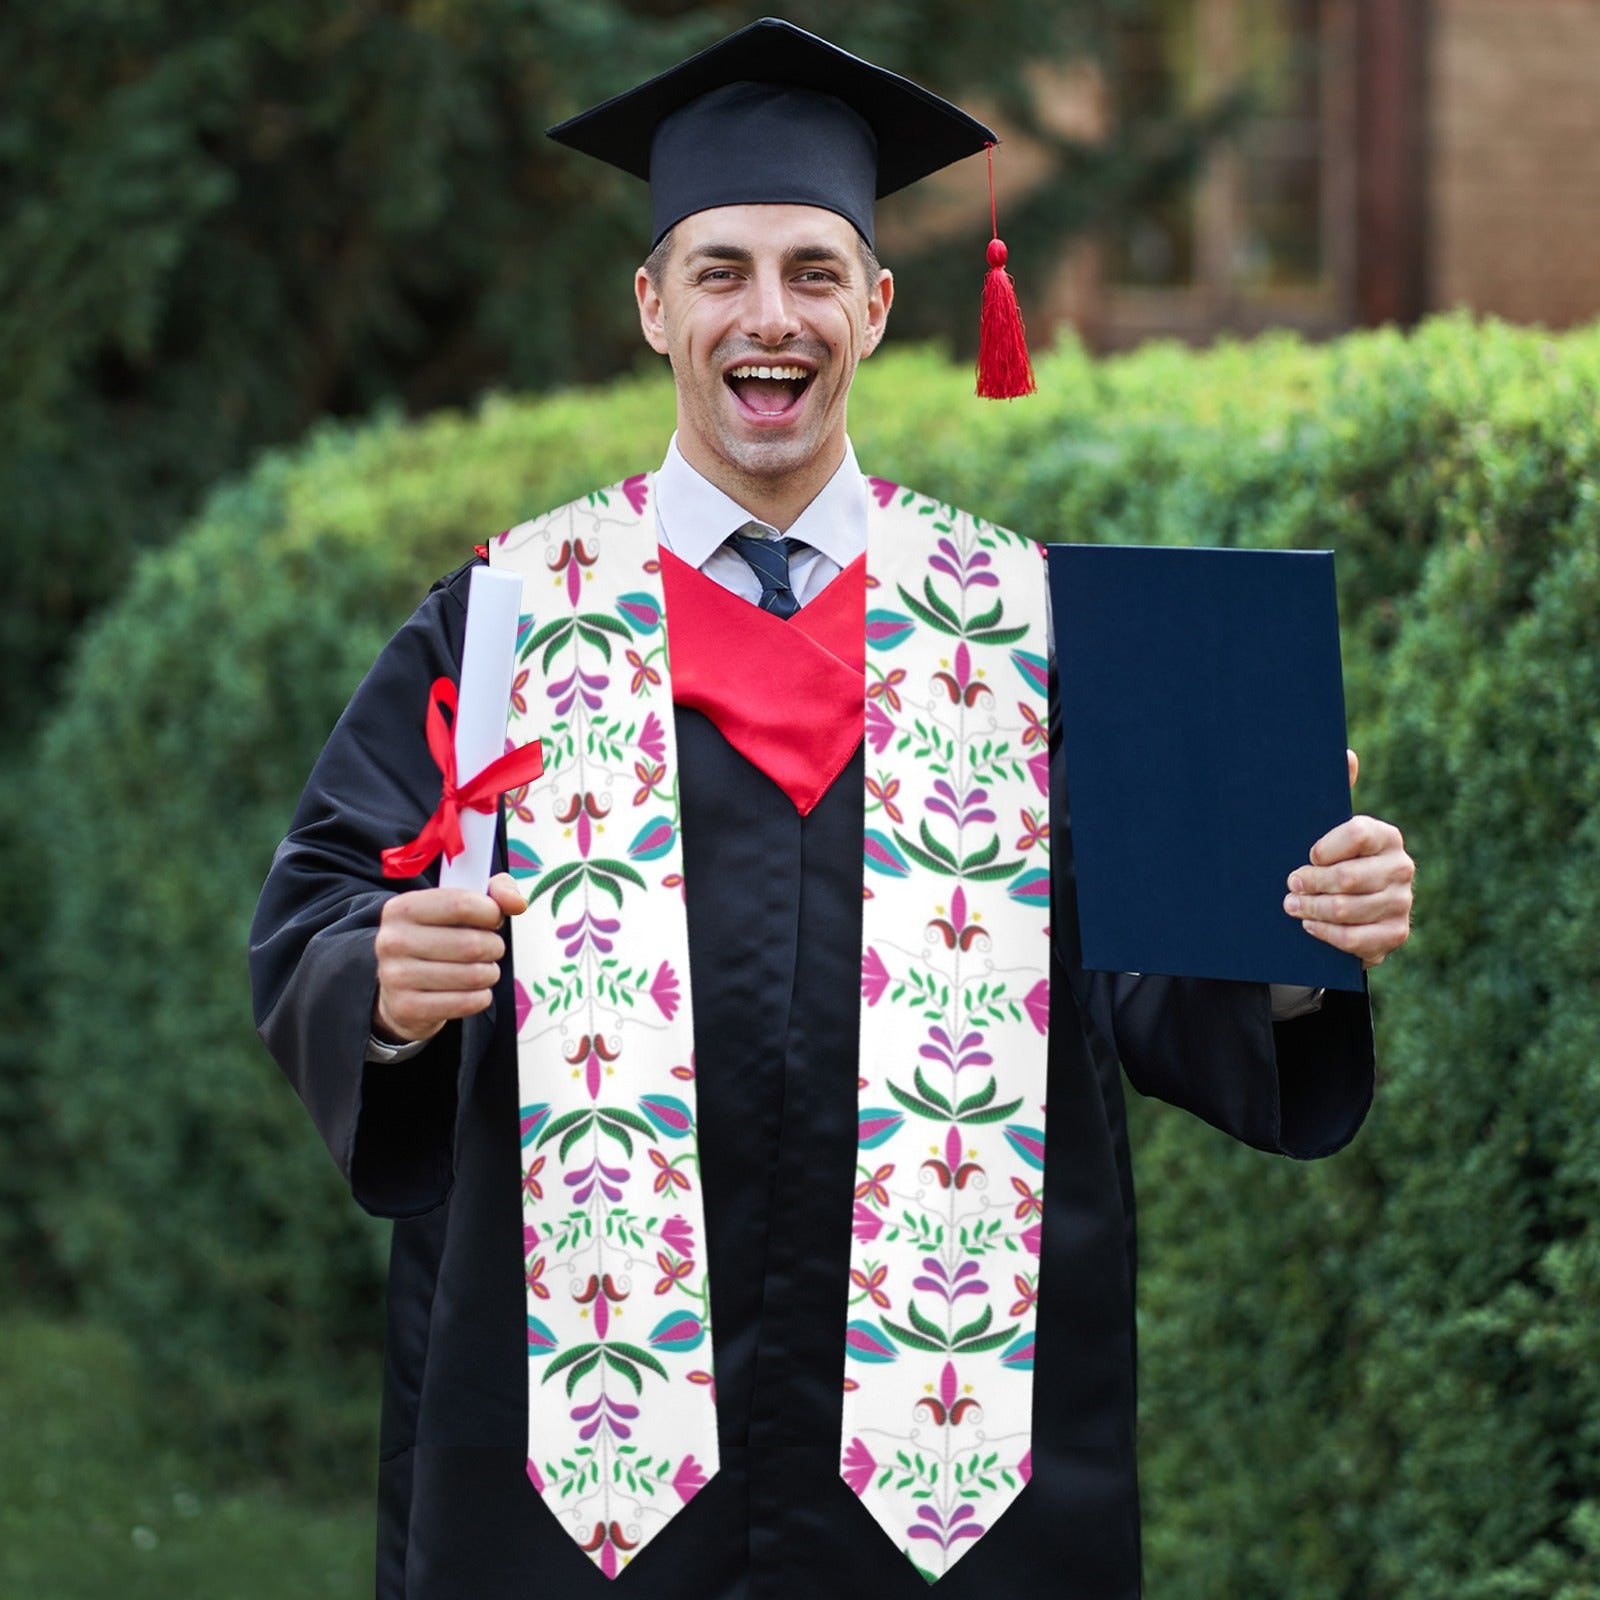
[439, 957]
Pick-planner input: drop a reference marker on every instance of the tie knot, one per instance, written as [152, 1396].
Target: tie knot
[769, 559]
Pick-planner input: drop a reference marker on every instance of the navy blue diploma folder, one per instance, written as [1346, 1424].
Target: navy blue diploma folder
[1202, 711]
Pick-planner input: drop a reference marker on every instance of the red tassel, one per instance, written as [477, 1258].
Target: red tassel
[1004, 370]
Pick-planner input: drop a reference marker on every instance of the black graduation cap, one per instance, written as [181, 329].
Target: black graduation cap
[774, 115]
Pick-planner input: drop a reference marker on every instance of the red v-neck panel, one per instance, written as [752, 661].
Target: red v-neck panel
[789, 696]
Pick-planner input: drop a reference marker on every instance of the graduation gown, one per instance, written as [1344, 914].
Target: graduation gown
[774, 920]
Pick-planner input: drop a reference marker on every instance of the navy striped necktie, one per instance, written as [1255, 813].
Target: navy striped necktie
[769, 560]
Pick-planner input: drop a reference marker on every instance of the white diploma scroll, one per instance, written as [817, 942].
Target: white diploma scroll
[488, 660]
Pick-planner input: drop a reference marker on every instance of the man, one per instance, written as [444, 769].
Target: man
[516, 1469]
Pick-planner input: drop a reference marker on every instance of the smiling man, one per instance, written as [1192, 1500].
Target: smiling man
[728, 1260]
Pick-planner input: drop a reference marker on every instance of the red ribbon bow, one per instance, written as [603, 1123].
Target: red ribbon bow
[442, 831]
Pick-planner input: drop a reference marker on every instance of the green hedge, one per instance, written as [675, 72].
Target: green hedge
[1371, 1378]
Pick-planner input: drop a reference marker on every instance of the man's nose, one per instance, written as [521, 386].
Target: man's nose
[772, 318]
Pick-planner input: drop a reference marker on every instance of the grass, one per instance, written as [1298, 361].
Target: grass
[92, 1504]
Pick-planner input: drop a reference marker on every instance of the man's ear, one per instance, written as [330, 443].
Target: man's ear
[652, 315]
[878, 303]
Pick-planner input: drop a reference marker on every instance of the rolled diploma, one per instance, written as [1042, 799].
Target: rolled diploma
[488, 659]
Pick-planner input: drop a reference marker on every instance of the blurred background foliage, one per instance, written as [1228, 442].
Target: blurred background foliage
[257, 267]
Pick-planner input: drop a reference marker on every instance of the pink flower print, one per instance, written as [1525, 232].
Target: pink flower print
[532, 1189]
[534, 1475]
[643, 672]
[880, 730]
[958, 932]
[667, 1176]
[533, 1277]
[867, 1224]
[1030, 1204]
[677, 1233]
[688, 1480]
[883, 790]
[887, 687]
[652, 739]
[673, 1271]
[870, 1280]
[947, 1410]
[1035, 830]
[871, 1191]
[858, 1466]
[606, 1540]
[519, 700]
[1030, 1238]
[1025, 1467]
[1037, 1005]
[524, 1003]
[1027, 1294]
[1033, 730]
[882, 490]
[636, 491]
[664, 991]
[1039, 767]
[530, 1238]
[874, 976]
[649, 776]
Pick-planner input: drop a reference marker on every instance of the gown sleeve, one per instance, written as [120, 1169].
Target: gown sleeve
[390, 1127]
[1300, 1088]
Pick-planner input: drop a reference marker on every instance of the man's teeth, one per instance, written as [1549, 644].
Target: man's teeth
[796, 374]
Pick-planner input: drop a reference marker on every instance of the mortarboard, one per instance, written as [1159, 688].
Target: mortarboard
[774, 115]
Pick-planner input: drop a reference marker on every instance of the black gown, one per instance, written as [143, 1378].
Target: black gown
[774, 916]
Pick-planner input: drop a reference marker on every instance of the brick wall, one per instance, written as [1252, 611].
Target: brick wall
[1514, 177]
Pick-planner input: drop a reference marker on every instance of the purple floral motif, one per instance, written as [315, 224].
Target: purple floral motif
[952, 1172]
[971, 571]
[962, 1523]
[1030, 1239]
[605, 1543]
[582, 1182]
[955, 1056]
[689, 1479]
[612, 1415]
[524, 1003]
[874, 976]
[572, 556]
[949, 1287]
[963, 810]
[597, 932]
[949, 1408]
[1039, 767]
[880, 727]
[882, 490]
[858, 1466]
[565, 691]
[636, 491]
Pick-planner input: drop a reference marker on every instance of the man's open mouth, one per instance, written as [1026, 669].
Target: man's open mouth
[768, 390]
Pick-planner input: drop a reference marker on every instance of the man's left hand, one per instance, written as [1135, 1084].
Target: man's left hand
[1355, 893]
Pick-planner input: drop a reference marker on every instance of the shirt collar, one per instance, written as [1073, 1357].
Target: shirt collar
[694, 517]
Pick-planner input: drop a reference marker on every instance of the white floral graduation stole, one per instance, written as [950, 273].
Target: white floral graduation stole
[622, 1429]
[955, 1007]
